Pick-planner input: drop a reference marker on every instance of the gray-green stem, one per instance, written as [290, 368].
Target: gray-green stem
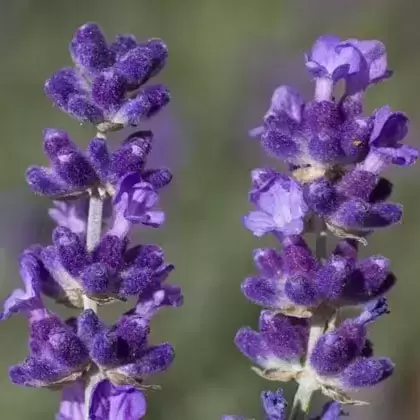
[306, 389]
[93, 236]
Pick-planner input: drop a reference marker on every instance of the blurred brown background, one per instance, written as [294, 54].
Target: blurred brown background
[226, 57]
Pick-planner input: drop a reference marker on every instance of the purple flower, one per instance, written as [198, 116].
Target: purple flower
[343, 358]
[71, 214]
[326, 135]
[135, 200]
[285, 281]
[274, 404]
[355, 205]
[101, 369]
[280, 204]
[61, 352]
[357, 218]
[295, 283]
[388, 131]
[112, 271]
[27, 300]
[110, 402]
[279, 346]
[57, 356]
[122, 352]
[373, 68]
[105, 85]
[330, 60]
[73, 173]
[359, 63]
[286, 106]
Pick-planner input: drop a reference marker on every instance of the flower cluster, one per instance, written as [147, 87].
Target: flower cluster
[105, 85]
[99, 195]
[335, 153]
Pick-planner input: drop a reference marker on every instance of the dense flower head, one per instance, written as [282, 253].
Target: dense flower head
[73, 173]
[60, 352]
[335, 151]
[294, 282]
[68, 354]
[105, 85]
[111, 271]
[341, 360]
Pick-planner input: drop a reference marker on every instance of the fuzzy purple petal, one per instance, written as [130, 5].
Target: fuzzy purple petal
[280, 205]
[331, 58]
[28, 299]
[366, 372]
[110, 402]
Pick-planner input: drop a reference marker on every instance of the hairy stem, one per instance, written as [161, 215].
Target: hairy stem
[93, 236]
[306, 389]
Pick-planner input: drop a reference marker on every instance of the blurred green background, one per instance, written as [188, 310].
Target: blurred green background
[226, 57]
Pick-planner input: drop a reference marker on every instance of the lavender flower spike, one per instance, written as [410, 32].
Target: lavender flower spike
[99, 195]
[335, 154]
[105, 86]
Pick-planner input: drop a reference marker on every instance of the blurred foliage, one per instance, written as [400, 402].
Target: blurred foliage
[225, 59]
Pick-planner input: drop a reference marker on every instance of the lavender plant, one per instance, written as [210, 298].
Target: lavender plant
[335, 154]
[98, 196]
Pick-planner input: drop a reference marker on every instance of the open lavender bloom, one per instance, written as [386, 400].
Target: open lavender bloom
[98, 196]
[335, 154]
[108, 402]
[280, 204]
[335, 151]
[105, 86]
